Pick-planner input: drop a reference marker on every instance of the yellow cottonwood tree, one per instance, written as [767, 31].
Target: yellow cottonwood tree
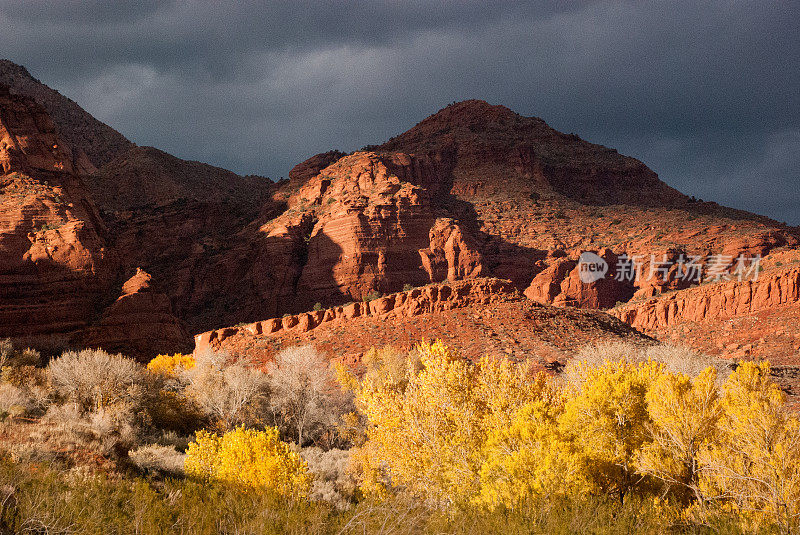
[426, 437]
[505, 387]
[530, 458]
[608, 419]
[426, 432]
[168, 365]
[249, 458]
[755, 462]
[684, 415]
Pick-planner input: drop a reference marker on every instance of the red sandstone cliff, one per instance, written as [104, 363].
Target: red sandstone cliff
[713, 301]
[473, 190]
[54, 262]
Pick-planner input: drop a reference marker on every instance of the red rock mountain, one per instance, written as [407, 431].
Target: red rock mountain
[494, 150]
[54, 261]
[97, 140]
[57, 265]
[477, 190]
[473, 191]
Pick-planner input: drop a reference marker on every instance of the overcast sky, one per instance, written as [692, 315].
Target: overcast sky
[705, 93]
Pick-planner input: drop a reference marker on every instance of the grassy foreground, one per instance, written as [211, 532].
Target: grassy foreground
[41, 499]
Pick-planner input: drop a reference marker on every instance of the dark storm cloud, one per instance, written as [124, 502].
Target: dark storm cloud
[705, 93]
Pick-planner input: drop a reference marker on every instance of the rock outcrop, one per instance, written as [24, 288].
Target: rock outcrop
[561, 285]
[713, 301]
[474, 190]
[84, 134]
[311, 167]
[140, 323]
[54, 264]
[369, 227]
[481, 316]
[365, 223]
[453, 253]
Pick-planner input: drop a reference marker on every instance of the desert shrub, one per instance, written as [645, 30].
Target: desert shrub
[372, 295]
[334, 481]
[531, 458]
[97, 380]
[30, 382]
[595, 356]
[250, 458]
[677, 359]
[107, 398]
[172, 439]
[158, 458]
[14, 401]
[386, 367]
[170, 406]
[318, 307]
[172, 409]
[69, 427]
[305, 399]
[9, 356]
[230, 392]
[6, 351]
[424, 433]
[171, 365]
[686, 361]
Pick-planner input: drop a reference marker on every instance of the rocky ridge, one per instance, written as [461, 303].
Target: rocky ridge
[713, 301]
[481, 316]
[98, 141]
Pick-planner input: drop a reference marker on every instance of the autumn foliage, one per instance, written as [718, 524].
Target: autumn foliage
[169, 365]
[248, 458]
[626, 439]
[456, 433]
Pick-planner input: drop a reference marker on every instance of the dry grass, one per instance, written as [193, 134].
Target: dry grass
[676, 359]
[158, 458]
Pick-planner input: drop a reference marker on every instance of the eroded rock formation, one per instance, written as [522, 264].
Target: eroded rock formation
[54, 263]
[473, 190]
[140, 322]
[481, 316]
[713, 301]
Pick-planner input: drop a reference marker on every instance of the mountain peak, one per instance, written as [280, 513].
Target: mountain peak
[472, 110]
[97, 140]
[491, 144]
[9, 68]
